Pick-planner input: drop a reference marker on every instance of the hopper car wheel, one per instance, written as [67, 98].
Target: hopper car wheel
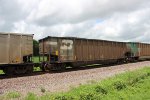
[29, 69]
[60, 67]
[20, 69]
[9, 70]
[120, 61]
[63, 66]
[127, 60]
[44, 67]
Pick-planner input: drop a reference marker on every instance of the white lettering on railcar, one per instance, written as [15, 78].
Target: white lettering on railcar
[52, 43]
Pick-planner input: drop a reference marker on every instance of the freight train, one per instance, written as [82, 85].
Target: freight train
[16, 52]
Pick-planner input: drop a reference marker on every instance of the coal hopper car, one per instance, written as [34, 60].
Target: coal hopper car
[16, 53]
[60, 52]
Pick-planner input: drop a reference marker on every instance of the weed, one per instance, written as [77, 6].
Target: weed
[148, 74]
[100, 89]
[137, 79]
[119, 85]
[87, 96]
[43, 90]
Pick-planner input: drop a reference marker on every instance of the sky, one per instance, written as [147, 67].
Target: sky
[116, 20]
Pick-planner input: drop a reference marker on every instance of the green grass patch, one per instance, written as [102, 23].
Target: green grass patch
[36, 59]
[31, 96]
[1, 72]
[11, 96]
[36, 69]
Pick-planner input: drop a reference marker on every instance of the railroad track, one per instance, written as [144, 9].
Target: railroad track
[4, 76]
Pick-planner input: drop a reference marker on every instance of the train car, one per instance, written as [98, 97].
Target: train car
[16, 53]
[139, 50]
[144, 51]
[70, 51]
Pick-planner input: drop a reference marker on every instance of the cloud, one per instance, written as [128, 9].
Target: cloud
[10, 12]
[133, 26]
[99, 19]
[50, 12]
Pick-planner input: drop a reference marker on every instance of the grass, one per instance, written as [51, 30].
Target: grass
[10, 96]
[36, 59]
[31, 96]
[1, 72]
[133, 85]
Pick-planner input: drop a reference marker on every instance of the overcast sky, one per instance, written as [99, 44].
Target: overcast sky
[120, 20]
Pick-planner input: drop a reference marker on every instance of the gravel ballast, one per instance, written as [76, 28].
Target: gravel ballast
[57, 82]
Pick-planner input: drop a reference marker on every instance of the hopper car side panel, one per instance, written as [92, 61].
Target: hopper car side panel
[4, 51]
[15, 52]
[98, 50]
[144, 50]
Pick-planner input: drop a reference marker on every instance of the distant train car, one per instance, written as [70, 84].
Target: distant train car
[69, 51]
[144, 50]
[15, 53]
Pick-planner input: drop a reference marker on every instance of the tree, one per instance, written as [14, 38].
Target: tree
[35, 48]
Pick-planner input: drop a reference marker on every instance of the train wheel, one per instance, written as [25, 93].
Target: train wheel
[29, 69]
[63, 66]
[20, 69]
[118, 62]
[58, 67]
[44, 67]
[9, 70]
